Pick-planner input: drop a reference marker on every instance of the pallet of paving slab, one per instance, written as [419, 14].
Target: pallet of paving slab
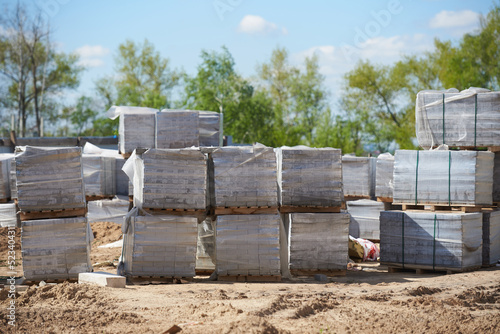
[433, 207]
[243, 210]
[47, 214]
[309, 209]
[145, 280]
[249, 278]
[425, 269]
[312, 272]
[98, 197]
[5, 200]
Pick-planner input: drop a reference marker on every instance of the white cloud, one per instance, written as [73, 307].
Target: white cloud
[451, 19]
[91, 55]
[257, 25]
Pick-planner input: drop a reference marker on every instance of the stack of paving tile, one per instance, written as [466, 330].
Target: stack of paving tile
[430, 240]
[99, 175]
[491, 237]
[365, 221]
[248, 245]
[210, 128]
[5, 161]
[310, 177]
[8, 216]
[177, 129]
[171, 179]
[56, 248]
[384, 179]
[318, 241]
[49, 179]
[469, 118]
[160, 245]
[443, 177]
[136, 127]
[358, 176]
[245, 176]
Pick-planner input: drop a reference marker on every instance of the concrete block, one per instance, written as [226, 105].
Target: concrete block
[103, 279]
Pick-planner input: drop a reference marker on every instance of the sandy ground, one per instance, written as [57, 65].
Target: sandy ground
[368, 301]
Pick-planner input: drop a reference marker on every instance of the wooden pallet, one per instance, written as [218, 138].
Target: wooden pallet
[98, 198]
[433, 208]
[5, 200]
[475, 148]
[249, 278]
[425, 269]
[47, 214]
[309, 209]
[145, 280]
[385, 199]
[176, 212]
[355, 198]
[312, 272]
[204, 272]
[246, 210]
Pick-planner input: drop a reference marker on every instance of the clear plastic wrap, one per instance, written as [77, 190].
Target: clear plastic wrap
[318, 241]
[496, 179]
[443, 177]
[160, 245]
[49, 178]
[99, 175]
[12, 179]
[205, 253]
[245, 176]
[384, 180]
[108, 210]
[56, 248]
[467, 118]
[358, 176]
[8, 216]
[365, 221]
[210, 128]
[491, 237]
[310, 176]
[169, 178]
[248, 244]
[431, 240]
[5, 161]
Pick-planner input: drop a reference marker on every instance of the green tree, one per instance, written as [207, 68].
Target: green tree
[82, 116]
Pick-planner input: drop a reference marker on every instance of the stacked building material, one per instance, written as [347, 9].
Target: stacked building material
[12, 179]
[496, 179]
[443, 177]
[491, 237]
[210, 128]
[99, 175]
[310, 177]
[430, 240]
[358, 177]
[5, 161]
[470, 118]
[205, 250]
[49, 179]
[122, 181]
[365, 221]
[160, 245]
[55, 249]
[245, 176]
[248, 245]
[318, 242]
[177, 129]
[171, 179]
[8, 216]
[384, 180]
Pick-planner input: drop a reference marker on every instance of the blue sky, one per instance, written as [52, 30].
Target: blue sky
[339, 32]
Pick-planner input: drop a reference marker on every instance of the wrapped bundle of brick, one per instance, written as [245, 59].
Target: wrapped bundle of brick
[358, 177]
[469, 118]
[491, 237]
[5, 161]
[365, 221]
[160, 245]
[245, 176]
[318, 242]
[136, 127]
[449, 178]
[177, 129]
[99, 175]
[310, 177]
[50, 179]
[210, 128]
[428, 240]
[12, 179]
[56, 248]
[170, 179]
[8, 216]
[384, 181]
[248, 245]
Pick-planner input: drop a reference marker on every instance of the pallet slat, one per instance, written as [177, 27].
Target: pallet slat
[64, 213]
[256, 278]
